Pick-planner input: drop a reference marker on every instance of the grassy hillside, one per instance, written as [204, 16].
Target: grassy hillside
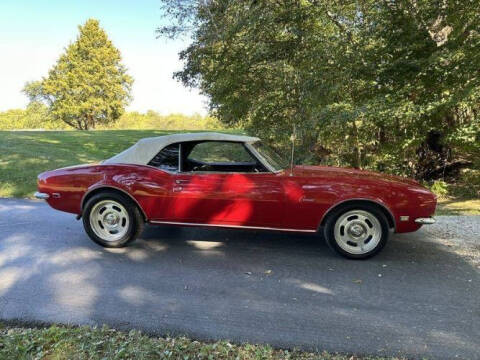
[24, 154]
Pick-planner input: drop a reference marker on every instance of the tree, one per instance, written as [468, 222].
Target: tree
[389, 85]
[88, 85]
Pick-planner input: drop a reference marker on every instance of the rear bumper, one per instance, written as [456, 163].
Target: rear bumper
[40, 195]
[425, 220]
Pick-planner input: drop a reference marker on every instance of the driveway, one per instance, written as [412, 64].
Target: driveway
[420, 297]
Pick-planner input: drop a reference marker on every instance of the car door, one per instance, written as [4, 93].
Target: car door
[205, 194]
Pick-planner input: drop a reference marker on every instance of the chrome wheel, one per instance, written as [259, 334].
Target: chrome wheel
[109, 220]
[357, 232]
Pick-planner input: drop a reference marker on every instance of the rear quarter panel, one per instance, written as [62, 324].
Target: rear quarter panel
[146, 185]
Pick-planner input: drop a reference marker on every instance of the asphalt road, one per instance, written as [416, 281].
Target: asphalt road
[420, 297]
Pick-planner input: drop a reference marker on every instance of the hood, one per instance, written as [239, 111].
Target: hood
[331, 171]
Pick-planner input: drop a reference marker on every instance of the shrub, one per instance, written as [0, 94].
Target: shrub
[440, 188]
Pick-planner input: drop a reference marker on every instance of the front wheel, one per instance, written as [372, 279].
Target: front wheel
[357, 231]
[112, 220]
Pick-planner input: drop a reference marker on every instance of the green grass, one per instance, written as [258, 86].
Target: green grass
[25, 154]
[57, 342]
[455, 206]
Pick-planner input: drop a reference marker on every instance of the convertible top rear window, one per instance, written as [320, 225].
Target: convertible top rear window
[167, 158]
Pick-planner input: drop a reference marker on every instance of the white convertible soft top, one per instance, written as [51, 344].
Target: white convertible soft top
[145, 149]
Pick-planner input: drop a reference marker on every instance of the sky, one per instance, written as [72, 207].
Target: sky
[33, 34]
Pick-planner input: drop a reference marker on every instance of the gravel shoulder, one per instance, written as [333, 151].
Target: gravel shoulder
[461, 233]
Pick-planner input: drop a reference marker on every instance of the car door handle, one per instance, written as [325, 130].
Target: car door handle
[180, 181]
[177, 188]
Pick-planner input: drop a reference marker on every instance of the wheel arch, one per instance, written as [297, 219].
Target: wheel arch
[382, 207]
[110, 188]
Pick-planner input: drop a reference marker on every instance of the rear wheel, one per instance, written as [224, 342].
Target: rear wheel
[112, 220]
[357, 231]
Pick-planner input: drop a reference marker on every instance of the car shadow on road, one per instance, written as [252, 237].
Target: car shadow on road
[417, 297]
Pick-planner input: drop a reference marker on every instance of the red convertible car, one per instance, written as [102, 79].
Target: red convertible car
[214, 179]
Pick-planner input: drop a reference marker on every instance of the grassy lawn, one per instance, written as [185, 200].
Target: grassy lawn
[58, 342]
[453, 206]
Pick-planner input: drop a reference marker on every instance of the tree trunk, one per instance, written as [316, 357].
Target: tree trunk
[358, 155]
[432, 155]
[79, 125]
[90, 122]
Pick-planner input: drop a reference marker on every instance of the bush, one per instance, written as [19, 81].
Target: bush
[439, 188]
[35, 116]
[467, 185]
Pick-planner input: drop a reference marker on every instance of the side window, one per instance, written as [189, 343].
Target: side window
[215, 152]
[167, 158]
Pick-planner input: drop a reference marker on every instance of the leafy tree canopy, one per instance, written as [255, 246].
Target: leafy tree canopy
[88, 85]
[390, 85]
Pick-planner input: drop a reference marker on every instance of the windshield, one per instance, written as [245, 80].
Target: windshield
[277, 161]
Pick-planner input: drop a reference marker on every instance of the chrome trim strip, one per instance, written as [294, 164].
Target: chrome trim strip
[425, 221]
[230, 226]
[360, 199]
[42, 196]
[116, 188]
